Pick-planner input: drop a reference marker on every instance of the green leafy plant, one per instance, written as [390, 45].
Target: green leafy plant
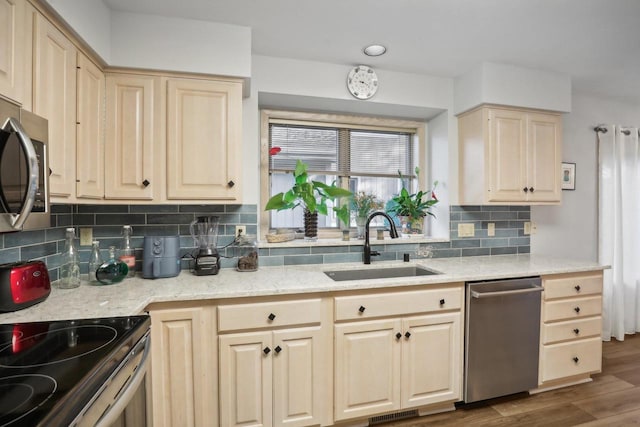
[414, 205]
[364, 203]
[311, 195]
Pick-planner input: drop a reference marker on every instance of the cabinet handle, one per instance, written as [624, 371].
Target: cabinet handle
[398, 335]
[576, 331]
[577, 309]
[271, 316]
[576, 360]
[146, 183]
[577, 288]
[525, 189]
[278, 349]
[408, 334]
[442, 301]
[531, 189]
[266, 350]
[362, 309]
[231, 184]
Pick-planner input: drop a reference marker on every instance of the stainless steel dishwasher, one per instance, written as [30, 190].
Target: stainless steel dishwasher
[502, 337]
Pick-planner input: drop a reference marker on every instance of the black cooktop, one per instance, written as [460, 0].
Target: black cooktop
[50, 370]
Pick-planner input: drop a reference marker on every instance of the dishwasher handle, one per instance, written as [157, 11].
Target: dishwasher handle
[534, 288]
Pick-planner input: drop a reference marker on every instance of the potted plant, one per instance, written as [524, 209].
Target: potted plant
[362, 204]
[412, 208]
[313, 197]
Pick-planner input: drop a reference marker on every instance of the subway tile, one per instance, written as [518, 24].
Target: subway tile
[202, 209]
[524, 249]
[465, 208]
[520, 208]
[271, 261]
[437, 245]
[302, 259]
[385, 256]
[465, 243]
[156, 230]
[502, 224]
[476, 251]
[507, 232]
[168, 218]
[248, 218]
[153, 209]
[61, 209]
[519, 241]
[84, 219]
[38, 251]
[446, 253]
[504, 251]
[475, 216]
[516, 224]
[524, 215]
[504, 216]
[290, 251]
[9, 255]
[330, 250]
[22, 238]
[402, 247]
[336, 258]
[494, 242]
[64, 220]
[252, 230]
[494, 208]
[454, 216]
[241, 208]
[119, 218]
[103, 209]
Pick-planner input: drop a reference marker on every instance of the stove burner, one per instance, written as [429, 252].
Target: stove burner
[22, 394]
[56, 346]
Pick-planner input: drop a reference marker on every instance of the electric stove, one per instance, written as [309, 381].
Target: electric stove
[51, 373]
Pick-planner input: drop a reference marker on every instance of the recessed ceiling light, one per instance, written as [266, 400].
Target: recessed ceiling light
[375, 50]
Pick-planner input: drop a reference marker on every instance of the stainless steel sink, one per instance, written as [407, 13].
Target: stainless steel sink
[379, 273]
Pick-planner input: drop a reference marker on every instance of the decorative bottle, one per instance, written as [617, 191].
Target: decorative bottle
[70, 268]
[127, 254]
[247, 253]
[95, 261]
[112, 271]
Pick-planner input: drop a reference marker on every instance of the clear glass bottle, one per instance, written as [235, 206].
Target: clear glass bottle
[246, 251]
[112, 271]
[70, 267]
[127, 254]
[95, 261]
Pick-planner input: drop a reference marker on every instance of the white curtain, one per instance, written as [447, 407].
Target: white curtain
[619, 229]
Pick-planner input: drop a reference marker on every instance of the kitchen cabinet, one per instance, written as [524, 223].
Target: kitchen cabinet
[54, 98]
[509, 156]
[184, 380]
[273, 376]
[90, 129]
[204, 139]
[134, 136]
[15, 49]
[570, 337]
[413, 358]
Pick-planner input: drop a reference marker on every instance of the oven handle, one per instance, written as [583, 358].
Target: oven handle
[126, 395]
[476, 294]
[32, 166]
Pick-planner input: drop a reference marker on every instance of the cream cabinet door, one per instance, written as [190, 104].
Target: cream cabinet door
[204, 139]
[367, 368]
[431, 359]
[90, 130]
[245, 379]
[544, 156]
[55, 99]
[133, 136]
[507, 157]
[183, 380]
[13, 50]
[297, 368]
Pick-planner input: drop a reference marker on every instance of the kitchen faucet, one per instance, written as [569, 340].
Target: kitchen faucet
[393, 233]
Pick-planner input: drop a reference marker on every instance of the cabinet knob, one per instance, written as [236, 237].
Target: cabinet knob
[576, 331]
[146, 183]
[577, 309]
[525, 189]
[442, 301]
[531, 189]
[577, 288]
[362, 309]
[576, 360]
[408, 334]
[271, 316]
[266, 350]
[231, 184]
[398, 335]
[278, 349]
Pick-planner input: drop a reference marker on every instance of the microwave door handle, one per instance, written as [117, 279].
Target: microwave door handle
[32, 169]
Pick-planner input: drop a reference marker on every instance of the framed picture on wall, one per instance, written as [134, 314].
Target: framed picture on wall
[568, 176]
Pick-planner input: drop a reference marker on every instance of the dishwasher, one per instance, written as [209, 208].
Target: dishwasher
[502, 337]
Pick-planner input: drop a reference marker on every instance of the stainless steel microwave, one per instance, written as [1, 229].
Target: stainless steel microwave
[24, 170]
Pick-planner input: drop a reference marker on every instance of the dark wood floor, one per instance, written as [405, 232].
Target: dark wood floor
[612, 399]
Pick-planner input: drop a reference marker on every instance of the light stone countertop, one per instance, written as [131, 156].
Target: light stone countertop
[133, 295]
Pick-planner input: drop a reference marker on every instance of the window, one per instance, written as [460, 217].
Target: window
[354, 153]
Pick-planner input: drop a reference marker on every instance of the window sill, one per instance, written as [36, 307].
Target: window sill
[301, 243]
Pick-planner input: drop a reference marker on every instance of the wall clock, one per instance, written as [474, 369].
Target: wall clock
[362, 82]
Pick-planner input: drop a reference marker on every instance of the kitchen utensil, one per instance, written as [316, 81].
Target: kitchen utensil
[161, 257]
[204, 231]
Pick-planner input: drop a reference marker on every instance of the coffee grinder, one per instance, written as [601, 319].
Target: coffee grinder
[204, 231]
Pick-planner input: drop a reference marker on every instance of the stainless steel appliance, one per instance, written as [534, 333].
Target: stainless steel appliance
[24, 169]
[161, 257]
[502, 337]
[204, 231]
[70, 373]
[23, 284]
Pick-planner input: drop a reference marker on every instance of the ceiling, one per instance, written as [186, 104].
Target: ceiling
[597, 42]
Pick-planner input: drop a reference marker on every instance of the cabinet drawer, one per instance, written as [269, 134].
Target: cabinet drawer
[574, 308]
[397, 303]
[572, 286]
[572, 329]
[268, 314]
[574, 358]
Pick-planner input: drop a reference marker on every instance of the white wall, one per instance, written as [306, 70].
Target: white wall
[571, 229]
[439, 143]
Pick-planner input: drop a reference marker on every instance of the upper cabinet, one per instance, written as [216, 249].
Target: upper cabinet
[54, 96]
[204, 138]
[509, 156]
[15, 49]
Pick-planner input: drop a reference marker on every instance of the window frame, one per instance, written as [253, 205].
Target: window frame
[334, 120]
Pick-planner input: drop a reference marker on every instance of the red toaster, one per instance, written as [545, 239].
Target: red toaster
[23, 284]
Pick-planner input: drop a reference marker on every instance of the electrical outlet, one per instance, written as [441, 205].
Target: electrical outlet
[491, 229]
[86, 236]
[241, 230]
[466, 230]
[527, 228]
